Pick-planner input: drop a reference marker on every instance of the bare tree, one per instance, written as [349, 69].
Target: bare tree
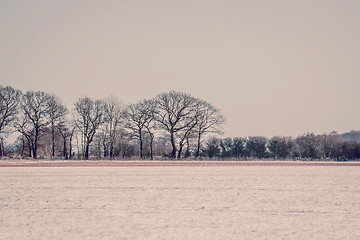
[176, 113]
[150, 126]
[34, 109]
[23, 126]
[64, 132]
[9, 100]
[210, 120]
[67, 132]
[113, 114]
[186, 134]
[139, 118]
[102, 140]
[88, 118]
[71, 135]
[57, 116]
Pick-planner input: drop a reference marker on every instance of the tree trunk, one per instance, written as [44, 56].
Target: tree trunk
[173, 153]
[198, 145]
[180, 150]
[53, 139]
[111, 148]
[151, 146]
[1, 147]
[35, 143]
[34, 148]
[23, 146]
[105, 148]
[70, 143]
[187, 148]
[112, 142]
[65, 150]
[87, 151]
[30, 147]
[112, 139]
[70, 148]
[141, 144]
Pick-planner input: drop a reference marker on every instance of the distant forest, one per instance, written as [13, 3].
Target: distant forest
[172, 125]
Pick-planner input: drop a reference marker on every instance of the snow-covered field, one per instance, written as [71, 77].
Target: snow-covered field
[180, 202]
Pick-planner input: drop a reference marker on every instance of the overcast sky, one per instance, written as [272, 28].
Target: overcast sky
[272, 67]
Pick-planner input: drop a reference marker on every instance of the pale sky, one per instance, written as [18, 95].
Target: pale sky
[272, 67]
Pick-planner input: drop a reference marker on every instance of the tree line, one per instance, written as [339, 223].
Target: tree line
[171, 125]
[304, 147]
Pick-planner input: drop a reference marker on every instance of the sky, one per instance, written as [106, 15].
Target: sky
[273, 68]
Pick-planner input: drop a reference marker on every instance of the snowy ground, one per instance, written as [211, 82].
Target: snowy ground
[180, 202]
